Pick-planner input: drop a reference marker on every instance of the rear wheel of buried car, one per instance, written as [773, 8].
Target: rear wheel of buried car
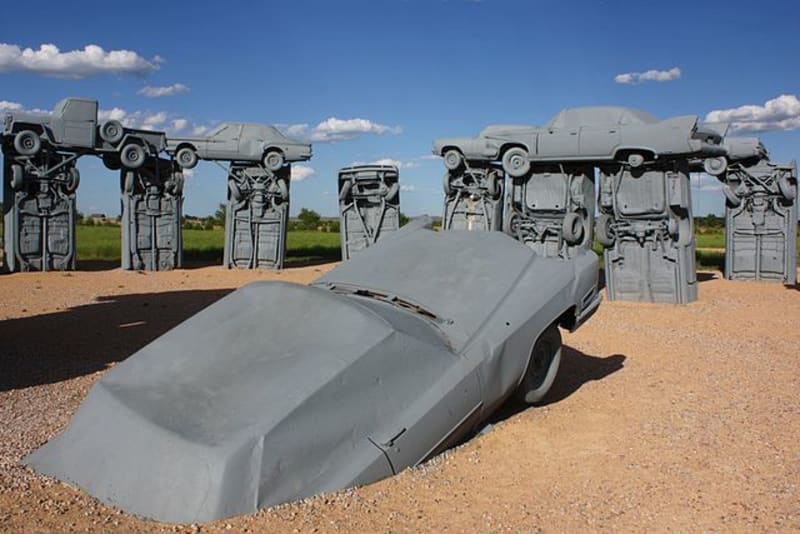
[111, 131]
[604, 230]
[132, 156]
[345, 191]
[542, 367]
[17, 177]
[283, 189]
[73, 180]
[446, 184]
[733, 200]
[128, 182]
[493, 186]
[572, 228]
[453, 160]
[516, 162]
[273, 160]
[391, 194]
[235, 190]
[786, 188]
[186, 157]
[27, 143]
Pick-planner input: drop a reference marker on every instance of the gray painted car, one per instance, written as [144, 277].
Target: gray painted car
[237, 141]
[603, 133]
[281, 391]
[73, 127]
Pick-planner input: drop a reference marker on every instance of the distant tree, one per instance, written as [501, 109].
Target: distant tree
[308, 219]
[403, 219]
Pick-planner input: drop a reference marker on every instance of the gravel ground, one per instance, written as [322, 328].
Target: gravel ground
[679, 418]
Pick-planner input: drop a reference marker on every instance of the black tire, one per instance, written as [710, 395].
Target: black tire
[673, 228]
[128, 182]
[543, 364]
[786, 188]
[186, 157]
[132, 156]
[27, 143]
[111, 132]
[715, 166]
[392, 193]
[274, 160]
[17, 177]
[572, 228]
[73, 180]
[345, 191]
[516, 162]
[111, 161]
[684, 235]
[732, 199]
[453, 159]
[604, 230]
[511, 224]
[283, 188]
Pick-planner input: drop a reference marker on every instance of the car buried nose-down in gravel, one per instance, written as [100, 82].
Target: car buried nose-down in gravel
[279, 391]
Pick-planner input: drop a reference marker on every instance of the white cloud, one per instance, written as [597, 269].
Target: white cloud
[179, 124]
[48, 60]
[154, 120]
[5, 105]
[408, 187]
[333, 129]
[199, 130]
[780, 113]
[651, 75]
[164, 90]
[188, 173]
[301, 172]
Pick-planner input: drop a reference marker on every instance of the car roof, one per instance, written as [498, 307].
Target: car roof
[600, 115]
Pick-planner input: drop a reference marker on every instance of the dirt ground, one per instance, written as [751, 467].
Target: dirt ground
[681, 418]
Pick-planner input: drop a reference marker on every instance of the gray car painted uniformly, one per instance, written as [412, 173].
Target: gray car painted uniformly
[281, 391]
[73, 126]
[236, 141]
[599, 134]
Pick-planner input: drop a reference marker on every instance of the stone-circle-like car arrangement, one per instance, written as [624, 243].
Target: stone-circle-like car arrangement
[413, 341]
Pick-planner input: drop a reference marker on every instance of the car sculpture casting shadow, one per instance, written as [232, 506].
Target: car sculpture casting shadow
[280, 391]
[597, 134]
[234, 141]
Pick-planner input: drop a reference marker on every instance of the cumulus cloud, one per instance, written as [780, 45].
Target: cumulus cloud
[780, 113]
[651, 75]
[333, 129]
[163, 90]
[148, 120]
[408, 187]
[5, 105]
[179, 124]
[48, 60]
[301, 172]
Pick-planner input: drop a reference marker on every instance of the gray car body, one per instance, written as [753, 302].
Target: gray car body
[239, 141]
[590, 134]
[280, 391]
[73, 126]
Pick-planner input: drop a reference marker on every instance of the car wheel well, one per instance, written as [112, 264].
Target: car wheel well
[567, 319]
[509, 146]
[185, 145]
[623, 153]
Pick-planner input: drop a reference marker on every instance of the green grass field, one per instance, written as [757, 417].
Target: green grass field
[103, 243]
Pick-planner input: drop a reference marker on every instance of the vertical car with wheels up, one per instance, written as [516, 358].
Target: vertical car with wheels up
[369, 205]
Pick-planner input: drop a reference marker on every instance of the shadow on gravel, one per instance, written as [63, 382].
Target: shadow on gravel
[57, 346]
[576, 370]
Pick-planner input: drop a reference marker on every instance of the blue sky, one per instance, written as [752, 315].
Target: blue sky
[411, 70]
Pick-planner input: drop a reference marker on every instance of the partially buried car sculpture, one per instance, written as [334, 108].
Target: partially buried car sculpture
[280, 391]
[583, 134]
[234, 141]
